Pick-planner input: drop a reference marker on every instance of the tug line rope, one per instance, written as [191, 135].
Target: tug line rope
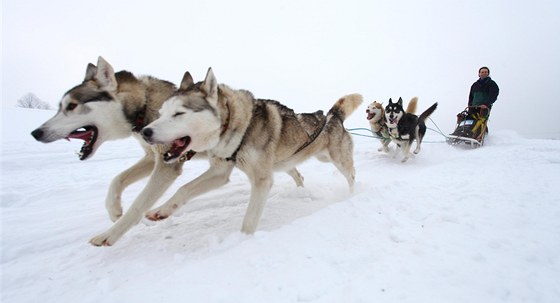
[371, 134]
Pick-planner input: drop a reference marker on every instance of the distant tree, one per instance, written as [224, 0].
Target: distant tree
[29, 100]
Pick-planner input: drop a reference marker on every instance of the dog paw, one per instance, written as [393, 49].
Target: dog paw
[105, 239]
[156, 215]
[384, 149]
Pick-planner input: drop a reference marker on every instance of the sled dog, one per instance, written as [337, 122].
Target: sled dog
[406, 127]
[255, 135]
[376, 118]
[110, 106]
[378, 121]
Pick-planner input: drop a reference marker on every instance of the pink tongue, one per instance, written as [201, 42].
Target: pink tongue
[86, 135]
[179, 142]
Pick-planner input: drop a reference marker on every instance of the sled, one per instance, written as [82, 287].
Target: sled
[471, 127]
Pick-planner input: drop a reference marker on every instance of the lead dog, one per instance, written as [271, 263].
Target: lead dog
[405, 127]
[110, 106]
[378, 121]
[257, 136]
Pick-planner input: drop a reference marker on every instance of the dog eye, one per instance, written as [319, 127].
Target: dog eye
[178, 114]
[71, 106]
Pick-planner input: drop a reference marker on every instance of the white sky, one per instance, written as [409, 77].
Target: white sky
[305, 54]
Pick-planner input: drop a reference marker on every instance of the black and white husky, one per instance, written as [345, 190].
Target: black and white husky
[405, 127]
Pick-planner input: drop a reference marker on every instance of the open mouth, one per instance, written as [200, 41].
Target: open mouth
[178, 147]
[370, 115]
[393, 120]
[89, 135]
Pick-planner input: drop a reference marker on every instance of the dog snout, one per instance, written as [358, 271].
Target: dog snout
[147, 134]
[38, 134]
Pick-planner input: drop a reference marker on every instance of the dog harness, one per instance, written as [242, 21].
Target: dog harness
[382, 132]
[313, 136]
[394, 134]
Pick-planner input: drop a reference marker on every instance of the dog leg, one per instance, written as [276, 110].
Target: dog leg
[216, 176]
[418, 141]
[260, 188]
[162, 177]
[136, 172]
[343, 159]
[298, 178]
[346, 167]
[406, 151]
[384, 145]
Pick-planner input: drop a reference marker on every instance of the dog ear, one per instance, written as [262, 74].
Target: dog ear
[400, 101]
[106, 75]
[187, 81]
[390, 101]
[91, 70]
[210, 85]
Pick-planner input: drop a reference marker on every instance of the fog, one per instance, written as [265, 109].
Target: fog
[305, 54]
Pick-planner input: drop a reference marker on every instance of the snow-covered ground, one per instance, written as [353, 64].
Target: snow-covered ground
[450, 225]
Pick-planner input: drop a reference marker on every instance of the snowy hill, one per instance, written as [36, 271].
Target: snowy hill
[450, 225]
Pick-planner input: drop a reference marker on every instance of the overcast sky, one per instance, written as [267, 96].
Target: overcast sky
[305, 54]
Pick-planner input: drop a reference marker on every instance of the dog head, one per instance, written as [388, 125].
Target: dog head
[189, 121]
[375, 112]
[394, 112]
[89, 112]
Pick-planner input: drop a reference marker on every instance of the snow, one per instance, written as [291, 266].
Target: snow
[450, 225]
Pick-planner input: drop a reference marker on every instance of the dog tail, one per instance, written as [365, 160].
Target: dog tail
[411, 108]
[427, 112]
[345, 106]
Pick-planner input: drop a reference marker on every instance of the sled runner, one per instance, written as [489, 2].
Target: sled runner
[471, 128]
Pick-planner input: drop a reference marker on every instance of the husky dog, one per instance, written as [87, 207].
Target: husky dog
[376, 118]
[378, 121]
[406, 127]
[257, 136]
[109, 106]
[395, 111]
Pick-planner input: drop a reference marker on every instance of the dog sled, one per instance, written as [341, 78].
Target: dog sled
[471, 128]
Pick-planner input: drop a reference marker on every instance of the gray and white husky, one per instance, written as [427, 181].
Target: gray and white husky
[110, 106]
[257, 136]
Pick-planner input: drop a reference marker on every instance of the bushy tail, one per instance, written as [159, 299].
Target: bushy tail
[427, 112]
[345, 106]
[411, 108]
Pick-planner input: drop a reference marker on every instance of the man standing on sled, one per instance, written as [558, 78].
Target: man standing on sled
[482, 96]
[484, 91]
